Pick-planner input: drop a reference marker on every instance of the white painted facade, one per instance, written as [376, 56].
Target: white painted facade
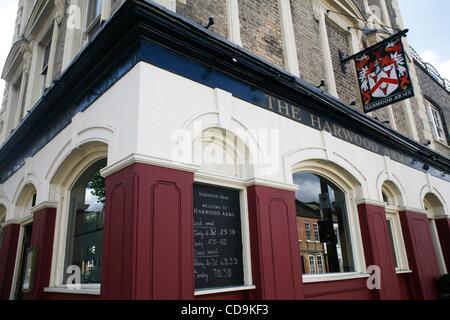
[141, 112]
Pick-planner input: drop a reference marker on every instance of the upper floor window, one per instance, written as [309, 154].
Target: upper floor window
[319, 199]
[46, 48]
[316, 232]
[94, 13]
[438, 124]
[312, 265]
[308, 231]
[319, 264]
[15, 107]
[392, 197]
[85, 224]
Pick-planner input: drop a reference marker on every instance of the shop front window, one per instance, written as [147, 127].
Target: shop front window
[321, 201]
[85, 224]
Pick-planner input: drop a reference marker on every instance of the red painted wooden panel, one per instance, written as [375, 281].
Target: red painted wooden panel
[274, 244]
[8, 253]
[148, 234]
[67, 297]
[42, 237]
[377, 248]
[443, 228]
[404, 284]
[166, 233]
[228, 296]
[355, 289]
[114, 245]
[421, 254]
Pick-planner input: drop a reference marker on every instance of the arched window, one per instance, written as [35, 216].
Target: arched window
[392, 197]
[321, 202]
[435, 210]
[85, 224]
[2, 221]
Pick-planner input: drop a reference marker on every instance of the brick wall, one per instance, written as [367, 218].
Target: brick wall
[419, 123]
[261, 29]
[401, 118]
[440, 98]
[200, 10]
[309, 47]
[346, 83]
[435, 93]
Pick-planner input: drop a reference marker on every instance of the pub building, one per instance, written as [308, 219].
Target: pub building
[220, 150]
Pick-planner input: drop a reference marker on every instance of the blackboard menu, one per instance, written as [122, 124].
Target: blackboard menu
[217, 238]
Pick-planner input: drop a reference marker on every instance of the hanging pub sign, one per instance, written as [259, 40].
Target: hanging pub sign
[383, 73]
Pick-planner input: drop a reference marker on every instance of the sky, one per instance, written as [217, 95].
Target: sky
[428, 22]
[429, 25]
[8, 11]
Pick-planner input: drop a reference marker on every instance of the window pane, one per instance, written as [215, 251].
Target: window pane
[393, 247]
[46, 56]
[312, 265]
[437, 122]
[308, 231]
[85, 228]
[319, 264]
[319, 202]
[95, 10]
[316, 232]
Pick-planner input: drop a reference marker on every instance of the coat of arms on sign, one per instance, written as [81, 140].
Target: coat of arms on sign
[383, 75]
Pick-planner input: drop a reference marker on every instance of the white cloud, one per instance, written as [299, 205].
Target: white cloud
[8, 12]
[441, 64]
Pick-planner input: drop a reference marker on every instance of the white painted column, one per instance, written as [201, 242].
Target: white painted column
[73, 39]
[33, 85]
[51, 59]
[319, 12]
[169, 4]
[20, 101]
[384, 10]
[234, 25]
[287, 31]
[106, 10]
[8, 124]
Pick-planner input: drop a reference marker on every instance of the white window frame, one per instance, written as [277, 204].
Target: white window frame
[308, 229]
[354, 235]
[392, 215]
[45, 68]
[23, 223]
[60, 239]
[320, 265]
[437, 122]
[95, 23]
[241, 186]
[316, 233]
[312, 271]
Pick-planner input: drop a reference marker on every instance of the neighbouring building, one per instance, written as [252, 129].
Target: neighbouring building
[205, 149]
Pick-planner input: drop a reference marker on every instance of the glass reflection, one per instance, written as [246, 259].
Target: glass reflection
[321, 204]
[85, 227]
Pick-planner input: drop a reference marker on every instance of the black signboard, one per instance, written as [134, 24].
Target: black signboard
[383, 74]
[217, 238]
